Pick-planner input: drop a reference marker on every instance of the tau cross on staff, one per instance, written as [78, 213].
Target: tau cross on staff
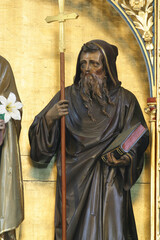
[61, 18]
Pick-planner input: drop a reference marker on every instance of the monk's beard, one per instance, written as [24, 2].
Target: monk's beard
[93, 87]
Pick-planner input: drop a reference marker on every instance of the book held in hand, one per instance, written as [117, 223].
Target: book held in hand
[125, 141]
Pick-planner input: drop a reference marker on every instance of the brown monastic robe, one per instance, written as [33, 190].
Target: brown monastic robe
[98, 196]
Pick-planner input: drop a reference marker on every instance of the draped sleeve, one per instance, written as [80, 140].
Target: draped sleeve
[44, 143]
[133, 115]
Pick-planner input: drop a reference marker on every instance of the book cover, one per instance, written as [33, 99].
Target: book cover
[125, 141]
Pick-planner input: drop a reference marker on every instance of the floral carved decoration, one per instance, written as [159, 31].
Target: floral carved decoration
[141, 11]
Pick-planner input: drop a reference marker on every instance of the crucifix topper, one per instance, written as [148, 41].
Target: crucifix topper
[61, 18]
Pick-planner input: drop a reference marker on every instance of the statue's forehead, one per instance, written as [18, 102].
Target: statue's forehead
[91, 56]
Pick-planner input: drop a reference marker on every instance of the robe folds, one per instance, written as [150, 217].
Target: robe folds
[11, 183]
[98, 201]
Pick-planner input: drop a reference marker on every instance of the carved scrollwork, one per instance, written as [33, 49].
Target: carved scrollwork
[141, 11]
[159, 170]
[151, 109]
[159, 202]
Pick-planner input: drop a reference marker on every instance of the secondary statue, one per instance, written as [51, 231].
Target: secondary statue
[11, 182]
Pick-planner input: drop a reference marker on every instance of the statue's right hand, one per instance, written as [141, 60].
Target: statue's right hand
[57, 111]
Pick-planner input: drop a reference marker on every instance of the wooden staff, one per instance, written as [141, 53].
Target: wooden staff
[61, 18]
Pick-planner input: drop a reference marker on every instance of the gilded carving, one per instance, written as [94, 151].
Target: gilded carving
[141, 11]
[137, 4]
[151, 109]
[159, 197]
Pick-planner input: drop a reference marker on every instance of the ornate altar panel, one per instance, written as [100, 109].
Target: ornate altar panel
[31, 47]
[142, 16]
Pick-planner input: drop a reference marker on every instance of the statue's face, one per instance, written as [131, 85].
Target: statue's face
[93, 81]
[91, 62]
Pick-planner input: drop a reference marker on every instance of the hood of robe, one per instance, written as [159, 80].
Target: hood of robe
[110, 53]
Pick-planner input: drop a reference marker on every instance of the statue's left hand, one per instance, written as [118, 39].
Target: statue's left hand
[123, 161]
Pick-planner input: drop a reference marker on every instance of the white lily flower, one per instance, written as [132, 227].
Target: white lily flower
[9, 107]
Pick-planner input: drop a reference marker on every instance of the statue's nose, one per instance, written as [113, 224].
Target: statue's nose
[88, 69]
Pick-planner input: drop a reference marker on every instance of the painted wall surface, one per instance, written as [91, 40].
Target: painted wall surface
[31, 47]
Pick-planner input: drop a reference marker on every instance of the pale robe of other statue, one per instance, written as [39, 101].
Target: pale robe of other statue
[11, 183]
